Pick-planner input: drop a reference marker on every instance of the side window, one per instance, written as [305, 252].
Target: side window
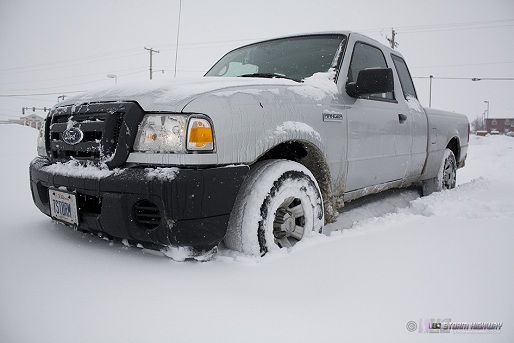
[366, 56]
[405, 78]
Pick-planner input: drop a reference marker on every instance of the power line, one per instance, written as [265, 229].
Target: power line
[404, 29]
[492, 79]
[103, 57]
[8, 115]
[71, 60]
[36, 99]
[53, 87]
[448, 26]
[466, 78]
[375, 30]
[39, 94]
[67, 77]
[463, 65]
[70, 85]
[442, 77]
[454, 29]
[62, 66]
[133, 51]
[6, 110]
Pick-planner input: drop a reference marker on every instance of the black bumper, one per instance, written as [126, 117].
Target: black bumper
[189, 209]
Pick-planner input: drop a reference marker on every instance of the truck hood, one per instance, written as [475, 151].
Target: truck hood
[172, 95]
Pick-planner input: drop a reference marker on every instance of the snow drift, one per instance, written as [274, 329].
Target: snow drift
[393, 260]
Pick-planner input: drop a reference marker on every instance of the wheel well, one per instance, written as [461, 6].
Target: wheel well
[311, 157]
[454, 146]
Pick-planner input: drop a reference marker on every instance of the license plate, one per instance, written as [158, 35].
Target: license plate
[63, 206]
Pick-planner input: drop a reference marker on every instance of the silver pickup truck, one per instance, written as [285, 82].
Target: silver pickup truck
[257, 154]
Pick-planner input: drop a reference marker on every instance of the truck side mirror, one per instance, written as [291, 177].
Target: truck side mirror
[371, 81]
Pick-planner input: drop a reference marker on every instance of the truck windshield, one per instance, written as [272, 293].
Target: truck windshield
[293, 58]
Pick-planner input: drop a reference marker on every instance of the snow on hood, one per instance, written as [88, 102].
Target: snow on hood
[170, 95]
[318, 86]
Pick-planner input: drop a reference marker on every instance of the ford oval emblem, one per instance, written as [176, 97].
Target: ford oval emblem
[72, 136]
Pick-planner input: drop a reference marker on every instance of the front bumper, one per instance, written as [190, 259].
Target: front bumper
[189, 209]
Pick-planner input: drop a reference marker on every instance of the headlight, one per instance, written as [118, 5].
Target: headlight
[41, 140]
[174, 133]
[161, 133]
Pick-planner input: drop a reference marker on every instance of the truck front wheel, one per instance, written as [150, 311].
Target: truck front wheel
[277, 206]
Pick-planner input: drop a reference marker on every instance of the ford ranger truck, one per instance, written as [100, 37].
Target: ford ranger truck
[257, 154]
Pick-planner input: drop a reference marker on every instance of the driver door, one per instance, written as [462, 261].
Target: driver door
[377, 152]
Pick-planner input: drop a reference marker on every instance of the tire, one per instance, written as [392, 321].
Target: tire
[278, 205]
[446, 177]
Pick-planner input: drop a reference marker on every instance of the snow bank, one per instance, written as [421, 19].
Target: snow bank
[401, 259]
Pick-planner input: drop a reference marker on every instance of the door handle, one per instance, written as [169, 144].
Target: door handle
[402, 118]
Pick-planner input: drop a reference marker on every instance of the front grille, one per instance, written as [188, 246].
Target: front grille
[147, 214]
[107, 130]
[98, 142]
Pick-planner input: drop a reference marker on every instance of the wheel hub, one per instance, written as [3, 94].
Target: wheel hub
[284, 223]
[288, 226]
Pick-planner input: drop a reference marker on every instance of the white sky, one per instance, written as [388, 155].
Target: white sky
[59, 46]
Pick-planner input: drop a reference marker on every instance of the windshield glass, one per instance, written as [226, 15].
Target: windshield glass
[294, 58]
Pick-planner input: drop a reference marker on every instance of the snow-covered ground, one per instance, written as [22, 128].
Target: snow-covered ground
[394, 259]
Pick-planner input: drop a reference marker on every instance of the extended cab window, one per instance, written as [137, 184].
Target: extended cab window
[405, 78]
[366, 56]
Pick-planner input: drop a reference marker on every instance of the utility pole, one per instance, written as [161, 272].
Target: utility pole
[152, 51]
[430, 96]
[392, 41]
[178, 32]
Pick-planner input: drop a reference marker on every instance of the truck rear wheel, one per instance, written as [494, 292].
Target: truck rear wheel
[446, 177]
[277, 206]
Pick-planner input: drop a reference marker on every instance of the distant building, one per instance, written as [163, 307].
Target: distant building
[501, 125]
[31, 120]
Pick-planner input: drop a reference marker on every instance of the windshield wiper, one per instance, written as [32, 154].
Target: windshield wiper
[270, 76]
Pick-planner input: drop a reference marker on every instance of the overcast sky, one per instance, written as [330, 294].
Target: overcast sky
[57, 47]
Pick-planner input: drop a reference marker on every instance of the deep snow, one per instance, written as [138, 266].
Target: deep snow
[395, 258]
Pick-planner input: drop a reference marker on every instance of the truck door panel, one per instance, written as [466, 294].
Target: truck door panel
[378, 135]
[417, 119]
